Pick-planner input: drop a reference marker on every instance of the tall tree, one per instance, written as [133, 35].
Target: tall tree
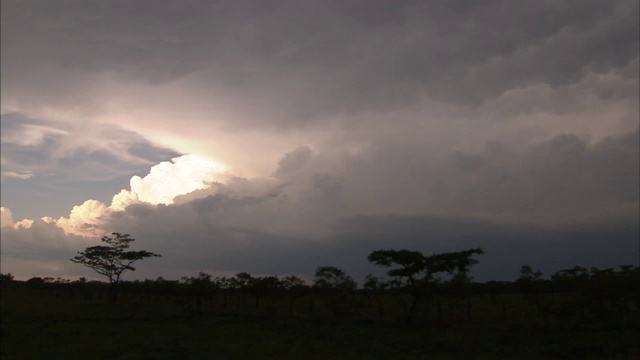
[417, 272]
[112, 259]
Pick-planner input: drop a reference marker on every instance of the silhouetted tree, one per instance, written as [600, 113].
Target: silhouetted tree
[112, 259]
[417, 272]
[266, 286]
[335, 283]
[374, 287]
[5, 279]
[199, 288]
[332, 278]
[610, 291]
[527, 274]
[294, 287]
[531, 284]
[293, 283]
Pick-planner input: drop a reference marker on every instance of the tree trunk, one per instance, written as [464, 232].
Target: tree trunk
[504, 310]
[112, 293]
[310, 304]
[380, 309]
[412, 309]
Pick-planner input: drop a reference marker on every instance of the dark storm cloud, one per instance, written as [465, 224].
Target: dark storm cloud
[507, 246]
[428, 125]
[324, 58]
[312, 216]
[563, 178]
[529, 208]
[294, 160]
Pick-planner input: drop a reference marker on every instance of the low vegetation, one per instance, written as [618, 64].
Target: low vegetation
[429, 308]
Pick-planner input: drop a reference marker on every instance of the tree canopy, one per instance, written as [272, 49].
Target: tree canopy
[112, 259]
[331, 277]
[418, 272]
[414, 266]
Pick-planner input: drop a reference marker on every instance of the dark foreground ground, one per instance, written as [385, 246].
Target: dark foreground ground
[45, 325]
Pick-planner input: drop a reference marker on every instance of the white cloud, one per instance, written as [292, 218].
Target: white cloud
[123, 199]
[179, 177]
[19, 175]
[84, 219]
[188, 177]
[6, 218]
[24, 223]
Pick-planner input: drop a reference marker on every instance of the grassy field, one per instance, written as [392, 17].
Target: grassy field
[49, 325]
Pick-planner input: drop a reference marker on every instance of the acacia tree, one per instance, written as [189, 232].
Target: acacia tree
[333, 278]
[417, 272]
[334, 282]
[374, 288]
[112, 259]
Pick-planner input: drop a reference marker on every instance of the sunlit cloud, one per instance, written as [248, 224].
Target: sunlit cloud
[183, 175]
[18, 175]
[84, 219]
[6, 218]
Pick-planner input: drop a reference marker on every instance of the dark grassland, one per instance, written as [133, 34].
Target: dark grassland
[67, 321]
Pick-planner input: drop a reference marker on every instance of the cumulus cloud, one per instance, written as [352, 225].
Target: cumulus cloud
[6, 218]
[540, 188]
[40, 249]
[46, 170]
[170, 179]
[84, 218]
[165, 181]
[294, 160]
[337, 214]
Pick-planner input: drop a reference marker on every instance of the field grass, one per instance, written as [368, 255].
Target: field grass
[47, 325]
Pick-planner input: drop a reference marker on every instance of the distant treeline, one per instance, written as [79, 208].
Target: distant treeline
[330, 278]
[575, 295]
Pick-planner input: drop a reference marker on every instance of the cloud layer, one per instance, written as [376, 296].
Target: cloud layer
[309, 129]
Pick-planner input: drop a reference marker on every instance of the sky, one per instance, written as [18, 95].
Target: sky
[274, 137]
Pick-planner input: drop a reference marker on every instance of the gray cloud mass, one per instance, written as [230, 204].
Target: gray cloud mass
[324, 58]
[346, 127]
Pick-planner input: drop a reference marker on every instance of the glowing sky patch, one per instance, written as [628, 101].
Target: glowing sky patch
[165, 181]
[183, 175]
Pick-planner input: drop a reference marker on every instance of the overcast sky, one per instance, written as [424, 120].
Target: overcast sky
[277, 136]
